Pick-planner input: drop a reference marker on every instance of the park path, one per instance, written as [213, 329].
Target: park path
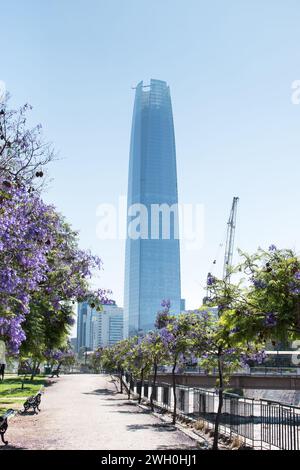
[85, 412]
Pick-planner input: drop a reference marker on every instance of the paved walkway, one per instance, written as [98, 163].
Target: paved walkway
[85, 412]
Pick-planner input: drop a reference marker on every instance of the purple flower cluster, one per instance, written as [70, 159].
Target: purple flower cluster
[40, 262]
[294, 287]
[272, 247]
[270, 319]
[253, 356]
[58, 355]
[166, 304]
[234, 330]
[167, 337]
[26, 227]
[162, 320]
[210, 279]
[259, 283]
[31, 232]
[11, 328]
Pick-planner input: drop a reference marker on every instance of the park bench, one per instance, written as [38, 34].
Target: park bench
[55, 372]
[33, 402]
[4, 424]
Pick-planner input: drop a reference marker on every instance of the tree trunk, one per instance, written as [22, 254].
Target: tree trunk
[174, 393]
[153, 387]
[220, 405]
[121, 381]
[128, 388]
[141, 386]
[58, 368]
[33, 371]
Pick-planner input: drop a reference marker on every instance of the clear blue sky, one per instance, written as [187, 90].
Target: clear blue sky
[230, 66]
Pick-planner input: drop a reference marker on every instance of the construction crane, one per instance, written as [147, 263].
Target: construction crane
[230, 239]
[228, 247]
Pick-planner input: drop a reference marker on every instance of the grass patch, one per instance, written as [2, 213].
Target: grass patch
[13, 396]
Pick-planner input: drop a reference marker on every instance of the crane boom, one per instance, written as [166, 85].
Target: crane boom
[230, 238]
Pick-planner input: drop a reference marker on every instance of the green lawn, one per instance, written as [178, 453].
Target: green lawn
[11, 393]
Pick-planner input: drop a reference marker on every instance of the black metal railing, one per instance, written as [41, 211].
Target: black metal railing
[261, 423]
[280, 425]
[264, 423]
[154, 392]
[183, 399]
[139, 387]
[165, 395]
[237, 417]
[203, 404]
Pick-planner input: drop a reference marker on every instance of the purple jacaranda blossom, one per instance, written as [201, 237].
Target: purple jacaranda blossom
[39, 255]
[252, 356]
[272, 248]
[210, 279]
[259, 283]
[234, 330]
[58, 355]
[30, 232]
[166, 336]
[166, 303]
[297, 275]
[11, 329]
[270, 319]
[70, 320]
[162, 320]
[294, 288]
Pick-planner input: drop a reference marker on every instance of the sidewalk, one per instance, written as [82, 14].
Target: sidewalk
[85, 412]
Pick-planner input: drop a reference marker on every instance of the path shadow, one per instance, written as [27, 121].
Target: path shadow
[137, 410]
[178, 447]
[100, 391]
[156, 427]
[128, 412]
[11, 447]
[118, 404]
[27, 413]
[117, 398]
[50, 382]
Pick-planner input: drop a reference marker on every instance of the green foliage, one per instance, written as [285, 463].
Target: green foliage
[265, 306]
[13, 391]
[96, 360]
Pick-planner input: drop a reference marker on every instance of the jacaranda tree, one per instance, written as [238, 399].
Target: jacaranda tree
[42, 268]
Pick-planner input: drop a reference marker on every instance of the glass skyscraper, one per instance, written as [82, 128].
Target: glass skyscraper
[98, 329]
[152, 264]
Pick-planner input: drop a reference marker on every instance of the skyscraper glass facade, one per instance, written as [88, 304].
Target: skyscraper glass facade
[152, 264]
[98, 329]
